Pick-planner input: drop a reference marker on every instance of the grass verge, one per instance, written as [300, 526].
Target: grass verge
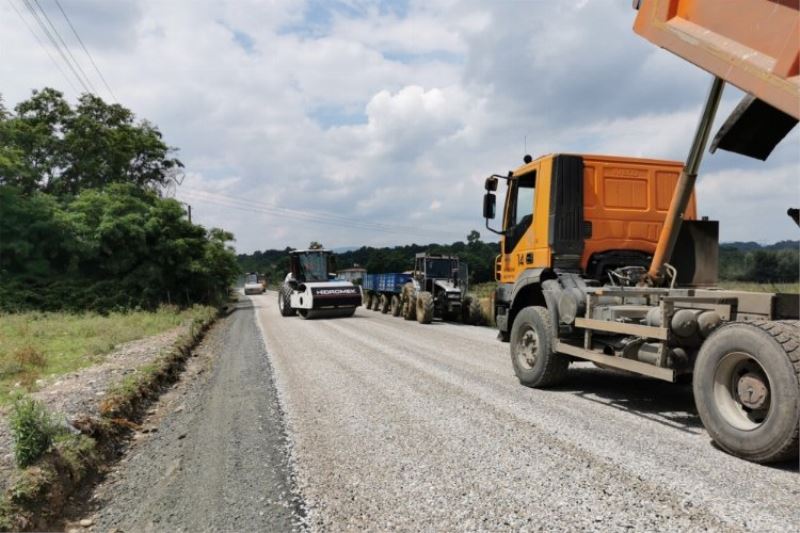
[38, 494]
[40, 345]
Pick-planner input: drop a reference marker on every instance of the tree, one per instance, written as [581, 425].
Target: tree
[314, 245]
[473, 237]
[49, 146]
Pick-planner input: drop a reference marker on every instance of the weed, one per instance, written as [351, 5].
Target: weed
[33, 429]
[30, 356]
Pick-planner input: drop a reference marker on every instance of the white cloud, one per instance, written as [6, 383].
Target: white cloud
[390, 115]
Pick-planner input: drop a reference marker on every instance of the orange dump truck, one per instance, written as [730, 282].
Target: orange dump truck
[603, 258]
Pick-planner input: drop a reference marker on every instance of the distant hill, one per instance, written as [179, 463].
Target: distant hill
[749, 246]
[344, 249]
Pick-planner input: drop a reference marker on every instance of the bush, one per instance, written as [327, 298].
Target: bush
[33, 429]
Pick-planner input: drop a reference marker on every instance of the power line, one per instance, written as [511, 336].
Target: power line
[321, 216]
[91, 59]
[223, 201]
[42, 45]
[43, 26]
[317, 214]
[56, 32]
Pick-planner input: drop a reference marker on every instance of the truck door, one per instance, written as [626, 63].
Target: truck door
[518, 241]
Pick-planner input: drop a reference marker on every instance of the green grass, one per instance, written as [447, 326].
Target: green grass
[38, 345]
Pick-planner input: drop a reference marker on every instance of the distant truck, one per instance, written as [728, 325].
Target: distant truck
[252, 285]
[436, 288]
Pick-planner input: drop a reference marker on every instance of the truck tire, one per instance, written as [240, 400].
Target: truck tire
[376, 302]
[409, 302]
[368, 300]
[424, 307]
[471, 312]
[284, 305]
[397, 307]
[747, 389]
[385, 303]
[532, 337]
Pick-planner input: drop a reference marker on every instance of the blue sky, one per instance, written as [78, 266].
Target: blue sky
[352, 122]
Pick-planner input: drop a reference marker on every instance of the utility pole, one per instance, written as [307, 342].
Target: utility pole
[188, 210]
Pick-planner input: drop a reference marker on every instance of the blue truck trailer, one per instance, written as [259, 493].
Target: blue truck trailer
[382, 292]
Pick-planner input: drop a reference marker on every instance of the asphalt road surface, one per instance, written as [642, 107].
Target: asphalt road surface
[376, 423]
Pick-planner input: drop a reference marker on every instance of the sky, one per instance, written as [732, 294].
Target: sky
[375, 123]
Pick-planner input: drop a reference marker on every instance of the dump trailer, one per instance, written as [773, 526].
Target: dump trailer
[310, 290]
[382, 292]
[604, 259]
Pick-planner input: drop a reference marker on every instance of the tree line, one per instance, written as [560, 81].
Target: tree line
[779, 262]
[82, 223]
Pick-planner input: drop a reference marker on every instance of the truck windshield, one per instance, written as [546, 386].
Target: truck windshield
[437, 268]
[251, 278]
[314, 267]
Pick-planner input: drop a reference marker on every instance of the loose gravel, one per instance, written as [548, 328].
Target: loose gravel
[212, 456]
[398, 426]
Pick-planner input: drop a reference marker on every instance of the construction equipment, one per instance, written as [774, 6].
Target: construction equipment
[438, 289]
[311, 291]
[382, 292]
[602, 258]
[252, 285]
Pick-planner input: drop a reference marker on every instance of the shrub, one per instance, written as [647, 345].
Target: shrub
[33, 429]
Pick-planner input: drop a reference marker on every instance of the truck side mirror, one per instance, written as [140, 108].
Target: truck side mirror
[489, 203]
[491, 183]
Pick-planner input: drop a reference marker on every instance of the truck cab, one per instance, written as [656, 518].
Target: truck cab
[588, 215]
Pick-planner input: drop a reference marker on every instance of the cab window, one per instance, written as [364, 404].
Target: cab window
[520, 209]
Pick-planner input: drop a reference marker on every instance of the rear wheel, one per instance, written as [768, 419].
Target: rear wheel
[397, 307]
[385, 303]
[368, 300]
[376, 302]
[747, 389]
[535, 363]
[424, 307]
[284, 305]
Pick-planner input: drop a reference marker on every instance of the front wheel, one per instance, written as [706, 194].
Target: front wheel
[747, 389]
[532, 337]
[424, 307]
[284, 304]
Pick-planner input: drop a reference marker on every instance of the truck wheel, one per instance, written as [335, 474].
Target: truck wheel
[385, 303]
[396, 305]
[284, 305]
[424, 307]
[376, 302]
[409, 302]
[368, 300]
[471, 312]
[476, 313]
[747, 389]
[535, 363]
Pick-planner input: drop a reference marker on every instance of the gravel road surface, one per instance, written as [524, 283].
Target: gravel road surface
[395, 425]
[212, 456]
